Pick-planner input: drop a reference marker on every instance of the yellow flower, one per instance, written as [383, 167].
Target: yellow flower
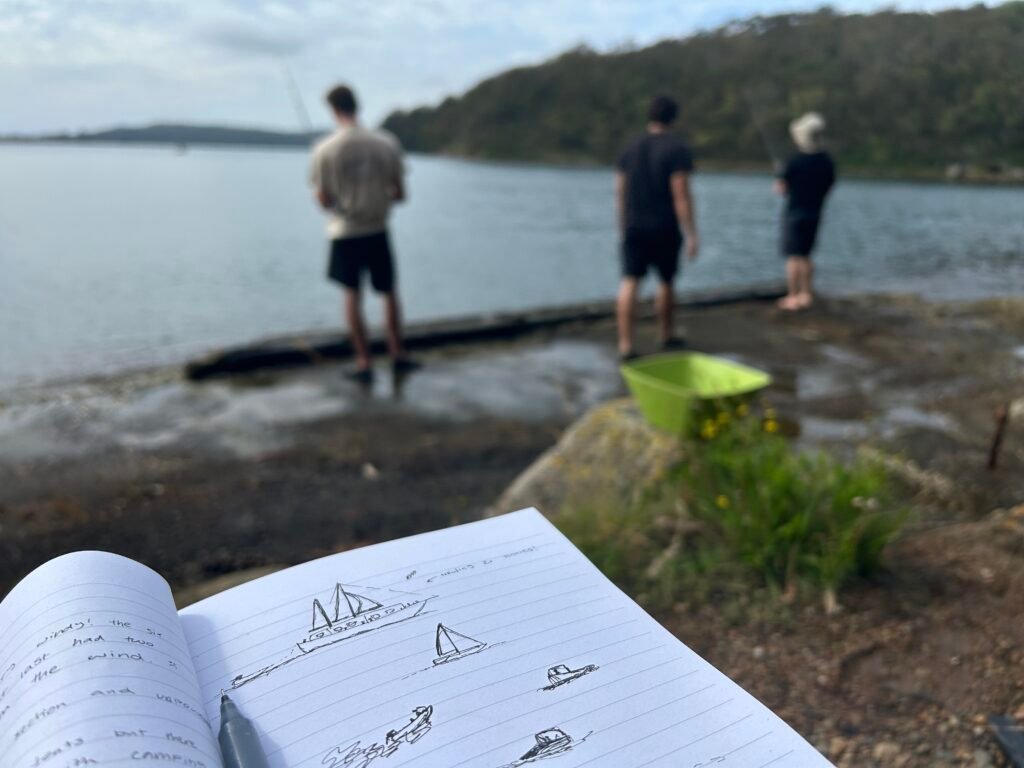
[771, 426]
[742, 410]
[709, 430]
[722, 501]
[723, 418]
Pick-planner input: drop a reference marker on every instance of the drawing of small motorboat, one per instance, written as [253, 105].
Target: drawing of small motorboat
[452, 645]
[553, 741]
[239, 680]
[560, 674]
[412, 732]
[350, 613]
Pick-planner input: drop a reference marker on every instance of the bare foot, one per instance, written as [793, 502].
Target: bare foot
[789, 303]
[804, 301]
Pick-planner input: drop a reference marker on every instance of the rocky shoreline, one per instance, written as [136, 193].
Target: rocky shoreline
[214, 482]
[302, 457]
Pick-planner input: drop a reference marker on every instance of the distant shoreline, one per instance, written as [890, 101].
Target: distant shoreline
[177, 135]
[153, 144]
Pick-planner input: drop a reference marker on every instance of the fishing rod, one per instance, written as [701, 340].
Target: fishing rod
[300, 106]
[765, 140]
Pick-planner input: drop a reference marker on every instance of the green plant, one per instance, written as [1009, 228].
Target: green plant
[744, 510]
[790, 518]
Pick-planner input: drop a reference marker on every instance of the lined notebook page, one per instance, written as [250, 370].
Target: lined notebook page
[95, 670]
[491, 644]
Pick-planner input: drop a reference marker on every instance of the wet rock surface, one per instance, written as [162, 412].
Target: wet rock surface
[200, 480]
[204, 479]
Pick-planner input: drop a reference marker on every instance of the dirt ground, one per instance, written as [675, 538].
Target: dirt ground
[909, 671]
[203, 480]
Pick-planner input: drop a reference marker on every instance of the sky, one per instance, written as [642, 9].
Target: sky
[69, 65]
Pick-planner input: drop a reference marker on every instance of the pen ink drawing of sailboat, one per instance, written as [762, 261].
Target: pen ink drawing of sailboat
[349, 613]
[560, 674]
[452, 645]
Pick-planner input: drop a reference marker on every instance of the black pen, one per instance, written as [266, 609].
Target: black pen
[239, 742]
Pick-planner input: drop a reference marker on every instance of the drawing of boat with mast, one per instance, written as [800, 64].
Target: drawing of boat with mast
[452, 645]
[350, 613]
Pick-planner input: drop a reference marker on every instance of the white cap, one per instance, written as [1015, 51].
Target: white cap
[808, 132]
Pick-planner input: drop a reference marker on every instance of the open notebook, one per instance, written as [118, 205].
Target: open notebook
[492, 644]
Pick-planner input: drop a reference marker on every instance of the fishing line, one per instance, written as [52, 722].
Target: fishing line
[765, 140]
[296, 97]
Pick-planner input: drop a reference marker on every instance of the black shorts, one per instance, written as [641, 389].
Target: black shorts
[643, 249]
[799, 233]
[351, 256]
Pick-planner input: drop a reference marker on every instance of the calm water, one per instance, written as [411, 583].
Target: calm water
[116, 258]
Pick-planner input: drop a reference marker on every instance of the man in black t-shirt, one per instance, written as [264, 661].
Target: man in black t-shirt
[806, 181]
[652, 192]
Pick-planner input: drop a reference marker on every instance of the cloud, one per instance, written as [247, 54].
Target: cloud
[248, 37]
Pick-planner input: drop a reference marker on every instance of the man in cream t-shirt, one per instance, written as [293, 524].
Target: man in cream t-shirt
[357, 175]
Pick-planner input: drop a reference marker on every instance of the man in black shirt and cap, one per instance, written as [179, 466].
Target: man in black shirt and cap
[652, 191]
[806, 181]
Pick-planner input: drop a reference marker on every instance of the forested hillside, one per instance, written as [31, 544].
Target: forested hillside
[902, 92]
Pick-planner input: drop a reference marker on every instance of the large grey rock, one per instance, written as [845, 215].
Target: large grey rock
[609, 450]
